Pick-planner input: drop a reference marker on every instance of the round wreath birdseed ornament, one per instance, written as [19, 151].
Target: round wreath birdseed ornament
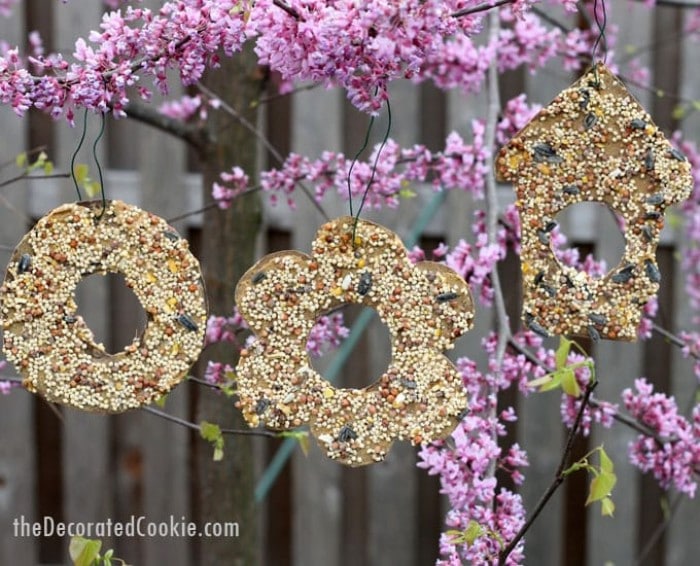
[51, 345]
[593, 142]
[425, 306]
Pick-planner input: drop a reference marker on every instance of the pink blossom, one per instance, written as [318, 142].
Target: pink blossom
[673, 455]
[236, 183]
[328, 333]
[216, 373]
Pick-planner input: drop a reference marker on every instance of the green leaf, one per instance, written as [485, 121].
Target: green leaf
[212, 433]
[696, 105]
[556, 380]
[679, 112]
[21, 160]
[607, 507]
[562, 352]
[473, 531]
[92, 188]
[209, 431]
[81, 172]
[456, 537]
[161, 400]
[48, 168]
[540, 381]
[606, 464]
[301, 436]
[569, 383]
[83, 551]
[601, 486]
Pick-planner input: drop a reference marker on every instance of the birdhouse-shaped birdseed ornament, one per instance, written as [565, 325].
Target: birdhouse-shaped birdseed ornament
[593, 142]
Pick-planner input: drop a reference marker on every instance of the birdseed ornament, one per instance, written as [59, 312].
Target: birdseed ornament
[51, 345]
[593, 142]
[425, 306]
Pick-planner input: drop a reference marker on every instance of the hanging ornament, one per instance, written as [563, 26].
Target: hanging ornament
[51, 345]
[594, 142]
[425, 306]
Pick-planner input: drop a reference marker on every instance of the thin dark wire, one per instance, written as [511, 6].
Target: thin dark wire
[99, 167]
[75, 154]
[374, 168]
[601, 40]
[357, 156]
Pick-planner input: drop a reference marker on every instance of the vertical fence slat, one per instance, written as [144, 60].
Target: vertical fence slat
[618, 364]
[392, 485]
[317, 498]
[683, 542]
[17, 446]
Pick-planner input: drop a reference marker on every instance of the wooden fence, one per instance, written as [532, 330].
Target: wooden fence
[91, 468]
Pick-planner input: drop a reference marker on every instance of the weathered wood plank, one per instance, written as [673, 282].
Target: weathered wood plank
[317, 511]
[87, 488]
[17, 445]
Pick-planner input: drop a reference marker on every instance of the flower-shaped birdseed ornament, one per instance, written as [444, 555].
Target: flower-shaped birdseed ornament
[593, 142]
[51, 345]
[425, 307]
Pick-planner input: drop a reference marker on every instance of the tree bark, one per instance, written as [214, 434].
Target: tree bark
[224, 490]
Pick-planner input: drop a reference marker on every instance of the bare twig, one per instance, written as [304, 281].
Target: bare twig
[33, 151]
[558, 476]
[481, 8]
[659, 530]
[25, 176]
[194, 135]
[272, 97]
[195, 426]
[494, 108]
[291, 11]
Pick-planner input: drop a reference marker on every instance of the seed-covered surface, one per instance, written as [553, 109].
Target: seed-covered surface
[425, 307]
[51, 345]
[594, 142]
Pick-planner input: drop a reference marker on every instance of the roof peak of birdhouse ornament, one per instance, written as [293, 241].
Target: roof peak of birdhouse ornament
[593, 143]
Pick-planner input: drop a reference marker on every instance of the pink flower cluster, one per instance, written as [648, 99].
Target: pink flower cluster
[361, 46]
[460, 165]
[5, 386]
[237, 183]
[216, 373]
[328, 332]
[672, 452]
[184, 35]
[6, 7]
[385, 175]
[465, 463]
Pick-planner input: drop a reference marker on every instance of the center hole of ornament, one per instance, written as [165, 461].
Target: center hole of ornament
[111, 310]
[367, 361]
[599, 228]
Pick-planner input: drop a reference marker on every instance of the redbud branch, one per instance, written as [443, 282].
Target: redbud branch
[195, 426]
[195, 136]
[619, 417]
[480, 8]
[291, 11]
[659, 530]
[25, 175]
[558, 476]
